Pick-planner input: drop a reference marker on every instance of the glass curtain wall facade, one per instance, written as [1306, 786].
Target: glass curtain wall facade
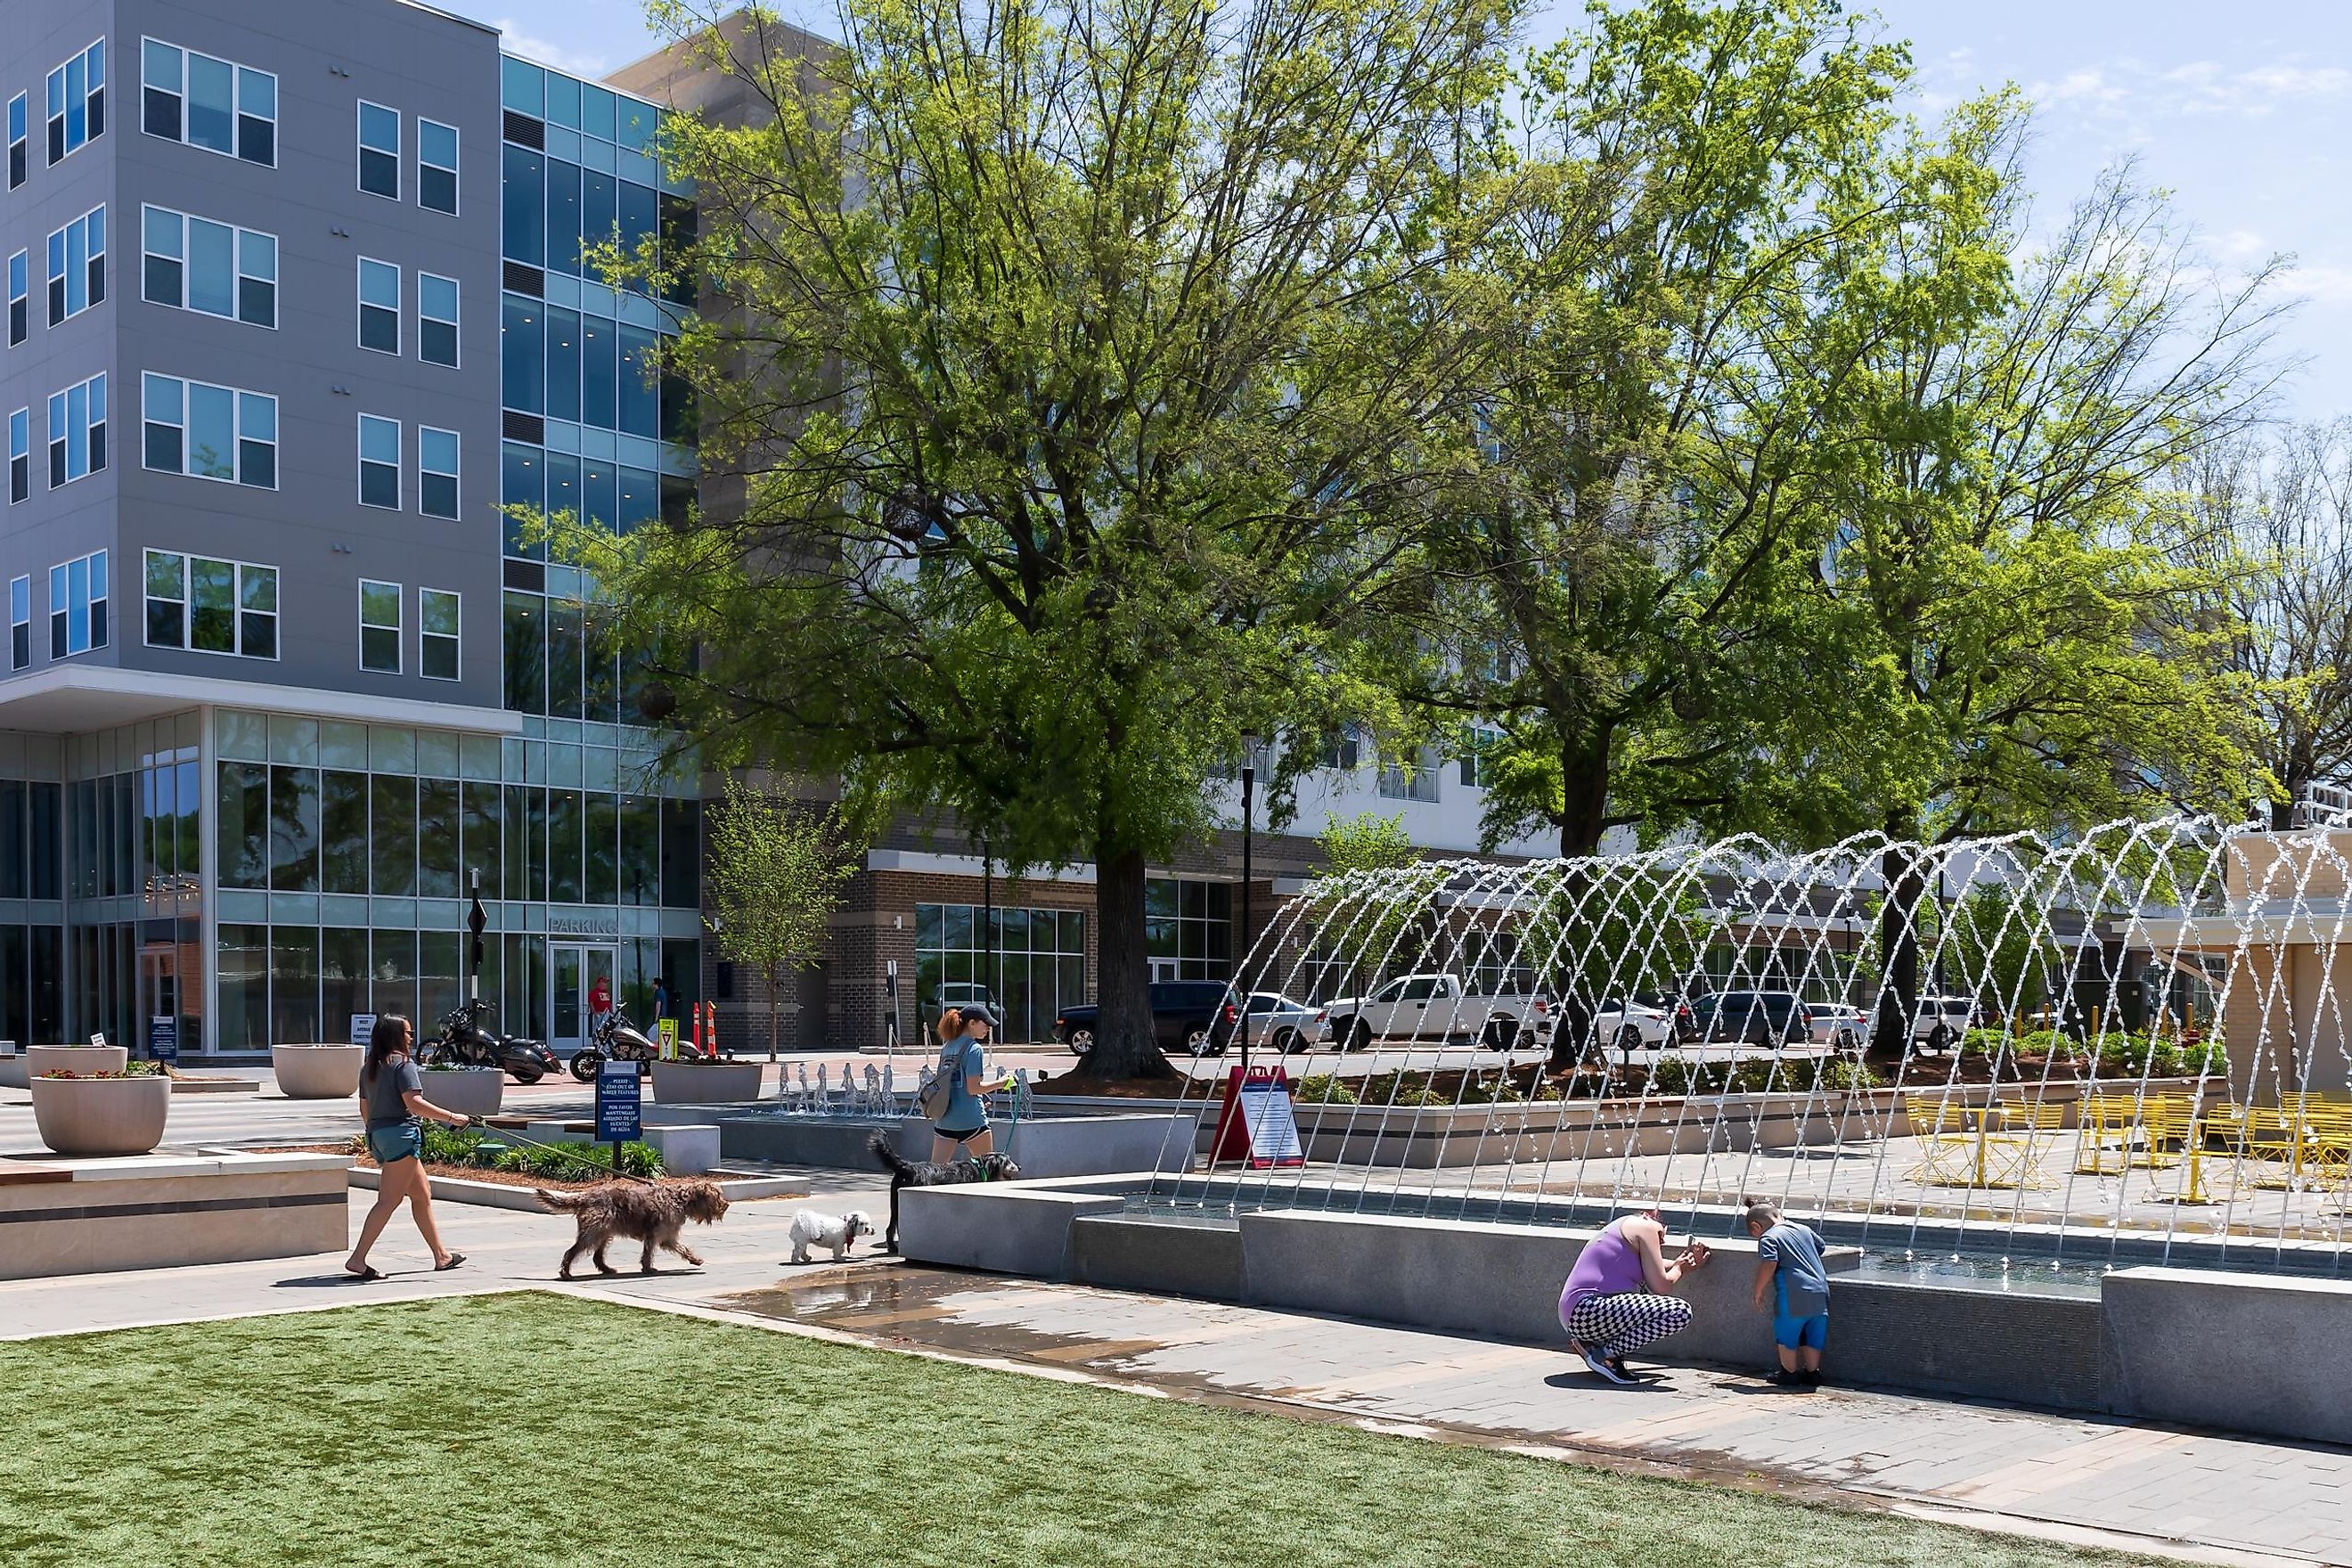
[32, 889]
[347, 853]
[1039, 962]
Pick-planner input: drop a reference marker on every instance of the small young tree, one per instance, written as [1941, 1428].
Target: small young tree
[775, 870]
[1372, 887]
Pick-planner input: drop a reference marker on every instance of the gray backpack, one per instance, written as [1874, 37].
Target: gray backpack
[940, 1093]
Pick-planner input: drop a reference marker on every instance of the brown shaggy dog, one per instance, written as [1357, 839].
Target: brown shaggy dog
[636, 1212]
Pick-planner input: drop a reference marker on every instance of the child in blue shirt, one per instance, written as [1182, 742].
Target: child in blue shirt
[1788, 1266]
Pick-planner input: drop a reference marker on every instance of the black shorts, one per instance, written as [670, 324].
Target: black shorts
[959, 1139]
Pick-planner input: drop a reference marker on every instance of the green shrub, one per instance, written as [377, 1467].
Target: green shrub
[1325, 1088]
[1496, 1091]
[557, 1162]
[2044, 1043]
[1408, 1088]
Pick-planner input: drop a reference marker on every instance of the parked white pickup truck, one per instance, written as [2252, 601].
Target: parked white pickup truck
[1438, 1007]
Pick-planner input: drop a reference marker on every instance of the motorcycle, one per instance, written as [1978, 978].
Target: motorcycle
[465, 1041]
[613, 1038]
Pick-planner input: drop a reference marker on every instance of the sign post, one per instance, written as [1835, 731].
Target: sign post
[362, 1028]
[476, 919]
[1257, 1125]
[617, 1104]
[164, 1036]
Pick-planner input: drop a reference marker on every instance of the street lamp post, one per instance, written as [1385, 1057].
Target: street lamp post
[1249, 785]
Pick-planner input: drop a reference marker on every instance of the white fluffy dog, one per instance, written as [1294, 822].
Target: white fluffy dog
[811, 1229]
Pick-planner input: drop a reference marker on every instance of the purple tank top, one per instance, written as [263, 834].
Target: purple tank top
[1609, 1266]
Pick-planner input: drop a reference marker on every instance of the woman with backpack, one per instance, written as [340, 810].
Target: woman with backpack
[958, 1117]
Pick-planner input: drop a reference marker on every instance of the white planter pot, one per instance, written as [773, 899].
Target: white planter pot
[468, 1091]
[40, 1059]
[317, 1072]
[101, 1115]
[706, 1083]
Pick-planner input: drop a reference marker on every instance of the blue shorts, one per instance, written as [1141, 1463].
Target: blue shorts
[1794, 1333]
[396, 1141]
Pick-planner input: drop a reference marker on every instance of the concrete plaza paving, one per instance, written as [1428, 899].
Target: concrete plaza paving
[2149, 1492]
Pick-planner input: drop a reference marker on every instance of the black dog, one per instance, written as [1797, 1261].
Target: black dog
[905, 1172]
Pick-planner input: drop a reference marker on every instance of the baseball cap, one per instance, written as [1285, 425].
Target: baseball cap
[977, 1013]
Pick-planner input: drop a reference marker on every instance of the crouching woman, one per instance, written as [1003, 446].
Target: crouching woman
[1621, 1295]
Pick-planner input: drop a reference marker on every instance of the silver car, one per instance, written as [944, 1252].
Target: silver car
[1281, 1025]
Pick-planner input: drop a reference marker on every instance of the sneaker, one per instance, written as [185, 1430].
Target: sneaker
[1785, 1378]
[1617, 1364]
[1813, 1378]
[1602, 1365]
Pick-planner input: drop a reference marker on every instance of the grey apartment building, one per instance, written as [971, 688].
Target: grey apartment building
[295, 307]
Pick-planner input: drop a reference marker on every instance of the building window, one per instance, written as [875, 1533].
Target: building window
[379, 462]
[77, 101]
[20, 285]
[78, 266]
[210, 103]
[437, 628]
[20, 622]
[78, 432]
[1346, 754]
[195, 264]
[1413, 778]
[1034, 963]
[210, 432]
[436, 472]
[20, 112]
[211, 606]
[1187, 929]
[20, 455]
[380, 151]
[436, 319]
[379, 306]
[436, 166]
[78, 605]
[1478, 744]
[380, 627]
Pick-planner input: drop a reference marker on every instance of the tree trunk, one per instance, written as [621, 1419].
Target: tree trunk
[1124, 1044]
[775, 984]
[1584, 795]
[1899, 939]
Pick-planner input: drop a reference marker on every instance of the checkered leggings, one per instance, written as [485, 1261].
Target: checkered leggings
[1614, 1325]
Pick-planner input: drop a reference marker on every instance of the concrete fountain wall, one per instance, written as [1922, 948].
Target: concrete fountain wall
[2144, 1346]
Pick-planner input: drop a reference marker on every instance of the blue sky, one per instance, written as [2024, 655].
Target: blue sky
[2241, 112]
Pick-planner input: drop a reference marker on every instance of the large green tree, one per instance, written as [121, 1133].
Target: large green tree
[2005, 625]
[1609, 584]
[1075, 356]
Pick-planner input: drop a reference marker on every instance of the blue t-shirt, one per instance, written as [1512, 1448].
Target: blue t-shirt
[965, 1113]
[1802, 1281]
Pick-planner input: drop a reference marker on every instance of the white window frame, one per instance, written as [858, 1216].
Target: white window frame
[238, 114]
[244, 245]
[61, 265]
[187, 602]
[93, 430]
[399, 449]
[454, 473]
[399, 595]
[359, 294]
[427, 638]
[359, 149]
[20, 620]
[457, 303]
[20, 451]
[457, 183]
[20, 297]
[20, 144]
[94, 565]
[239, 397]
[93, 53]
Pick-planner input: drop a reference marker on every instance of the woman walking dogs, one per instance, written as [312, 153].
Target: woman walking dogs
[964, 1124]
[1620, 1296]
[393, 1091]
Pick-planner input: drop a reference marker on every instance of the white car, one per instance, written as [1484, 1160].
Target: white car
[1282, 1025]
[1839, 1023]
[1942, 1020]
[1438, 1007]
[1629, 1026]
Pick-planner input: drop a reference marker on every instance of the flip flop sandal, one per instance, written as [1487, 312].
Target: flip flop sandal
[367, 1275]
[454, 1260]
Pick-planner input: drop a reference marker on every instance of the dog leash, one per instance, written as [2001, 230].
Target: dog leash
[570, 1152]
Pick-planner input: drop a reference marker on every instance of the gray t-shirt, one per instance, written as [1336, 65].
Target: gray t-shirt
[1804, 1283]
[386, 1106]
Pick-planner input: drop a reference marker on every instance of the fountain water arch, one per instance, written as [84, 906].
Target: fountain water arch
[2154, 1058]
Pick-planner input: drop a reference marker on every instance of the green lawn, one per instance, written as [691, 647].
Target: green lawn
[538, 1429]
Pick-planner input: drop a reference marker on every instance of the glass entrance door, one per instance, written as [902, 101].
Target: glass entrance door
[159, 997]
[574, 970]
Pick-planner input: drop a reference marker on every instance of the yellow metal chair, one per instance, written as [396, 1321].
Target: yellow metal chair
[1948, 1149]
[2164, 1121]
[2028, 1131]
[2108, 1125]
[2273, 1138]
[2328, 1145]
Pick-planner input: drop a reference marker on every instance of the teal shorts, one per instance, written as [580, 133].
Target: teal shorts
[397, 1141]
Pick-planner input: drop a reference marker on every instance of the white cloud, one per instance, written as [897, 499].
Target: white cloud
[2130, 88]
[2322, 283]
[591, 68]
